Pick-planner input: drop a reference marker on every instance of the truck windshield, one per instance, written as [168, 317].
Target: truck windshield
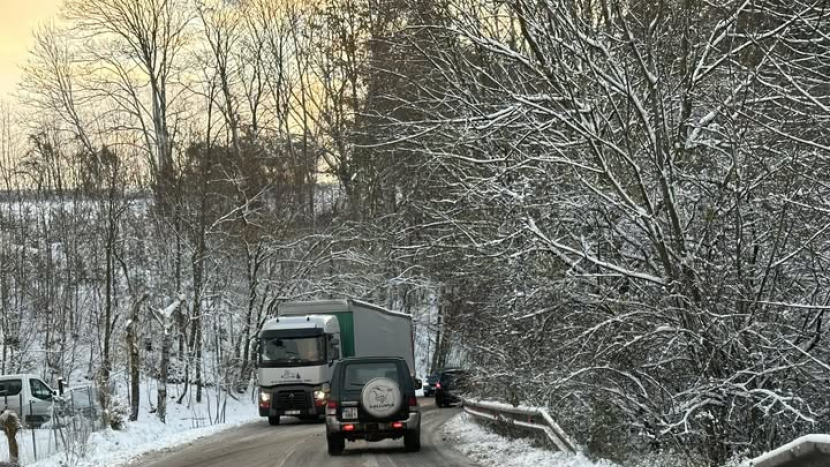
[293, 351]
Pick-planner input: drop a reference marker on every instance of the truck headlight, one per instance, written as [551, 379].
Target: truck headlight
[264, 398]
[320, 395]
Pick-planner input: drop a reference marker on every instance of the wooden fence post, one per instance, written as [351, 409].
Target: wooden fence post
[10, 424]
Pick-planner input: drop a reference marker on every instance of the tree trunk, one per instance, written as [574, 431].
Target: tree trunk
[167, 319]
[132, 346]
[198, 283]
[165, 362]
[254, 263]
[198, 361]
[436, 359]
[106, 363]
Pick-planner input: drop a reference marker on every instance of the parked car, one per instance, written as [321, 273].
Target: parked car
[450, 385]
[28, 396]
[429, 385]
[372, 398]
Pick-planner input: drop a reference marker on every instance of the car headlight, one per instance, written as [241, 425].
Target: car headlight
[320, 395]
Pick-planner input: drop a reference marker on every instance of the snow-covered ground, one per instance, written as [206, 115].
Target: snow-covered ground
[115, 448]
[492, 450]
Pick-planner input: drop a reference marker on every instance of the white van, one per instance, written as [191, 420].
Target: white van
[27, 395]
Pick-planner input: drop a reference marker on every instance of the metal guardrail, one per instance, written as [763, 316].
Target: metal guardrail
[807, 451]
[532, 418]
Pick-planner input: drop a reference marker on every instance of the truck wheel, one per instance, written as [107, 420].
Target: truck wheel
[274, 420]
[336, 444]
[412, 441]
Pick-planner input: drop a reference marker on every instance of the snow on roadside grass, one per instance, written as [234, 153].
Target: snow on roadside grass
[117, 448]
[490, 449]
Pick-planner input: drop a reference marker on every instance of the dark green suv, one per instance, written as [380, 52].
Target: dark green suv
[372, 398]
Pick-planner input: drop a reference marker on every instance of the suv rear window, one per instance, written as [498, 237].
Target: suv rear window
[356, 375]
[10, 387]
[455, 380]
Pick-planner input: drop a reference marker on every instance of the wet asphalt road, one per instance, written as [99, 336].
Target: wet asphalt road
[298, 444]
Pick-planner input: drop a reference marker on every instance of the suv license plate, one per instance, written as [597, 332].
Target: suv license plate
[292, 412]
[349, 412]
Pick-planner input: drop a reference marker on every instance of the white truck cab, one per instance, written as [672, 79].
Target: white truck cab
[294, 365]
[28, 396]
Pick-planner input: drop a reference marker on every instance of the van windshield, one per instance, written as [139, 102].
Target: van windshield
[293, 351]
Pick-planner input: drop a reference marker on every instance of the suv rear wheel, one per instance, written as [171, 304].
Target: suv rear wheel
[336, 444]
[412, 441]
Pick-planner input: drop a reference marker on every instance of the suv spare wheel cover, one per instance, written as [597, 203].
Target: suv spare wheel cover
[381, 397]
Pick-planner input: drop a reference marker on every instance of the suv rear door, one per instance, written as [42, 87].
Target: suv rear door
[354, 375]
[455, 382]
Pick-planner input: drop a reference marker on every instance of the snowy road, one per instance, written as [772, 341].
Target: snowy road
[303, 445]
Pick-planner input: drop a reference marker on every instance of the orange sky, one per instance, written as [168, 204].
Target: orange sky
[17, 20]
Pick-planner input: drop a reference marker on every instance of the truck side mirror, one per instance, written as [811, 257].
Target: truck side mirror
[418, 383]
[335, 354]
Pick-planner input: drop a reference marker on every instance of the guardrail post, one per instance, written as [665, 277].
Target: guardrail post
[34, 435]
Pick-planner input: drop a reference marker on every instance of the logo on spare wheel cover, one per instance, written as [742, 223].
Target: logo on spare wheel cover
[381, 397]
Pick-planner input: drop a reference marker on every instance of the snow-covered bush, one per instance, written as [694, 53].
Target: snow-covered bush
[118, 412]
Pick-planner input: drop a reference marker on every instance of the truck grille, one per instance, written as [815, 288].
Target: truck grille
[292, 400]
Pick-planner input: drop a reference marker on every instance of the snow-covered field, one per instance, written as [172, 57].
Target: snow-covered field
[115, 448]
[492, 450]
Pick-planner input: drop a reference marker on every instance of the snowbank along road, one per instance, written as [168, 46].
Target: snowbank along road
[296, 444]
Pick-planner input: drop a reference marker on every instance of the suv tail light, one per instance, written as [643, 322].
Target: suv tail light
[437, 385]
[412, 402]
[331, 408]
